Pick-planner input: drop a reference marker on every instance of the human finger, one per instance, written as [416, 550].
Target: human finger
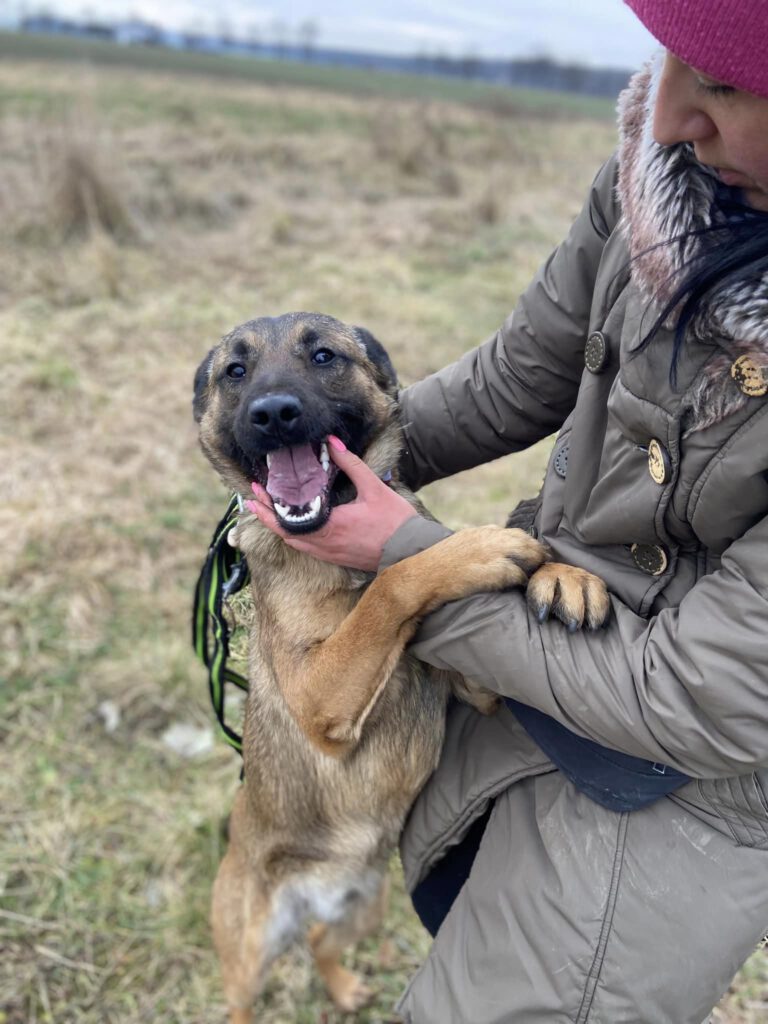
[262, 496]
[267, 517]
[361, 475]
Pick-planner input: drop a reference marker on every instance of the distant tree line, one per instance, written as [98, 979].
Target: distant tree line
[281, 41]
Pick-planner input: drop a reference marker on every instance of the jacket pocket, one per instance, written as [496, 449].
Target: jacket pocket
[740, 802]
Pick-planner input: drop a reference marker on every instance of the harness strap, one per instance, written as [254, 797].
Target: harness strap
[224, 573]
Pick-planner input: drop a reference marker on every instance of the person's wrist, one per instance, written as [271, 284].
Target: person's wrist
[415, 534]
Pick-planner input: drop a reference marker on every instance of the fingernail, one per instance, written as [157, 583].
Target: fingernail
[252, 507]
[257, 489]
[336, 443]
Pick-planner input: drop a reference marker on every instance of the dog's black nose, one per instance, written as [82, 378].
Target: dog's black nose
[274, 411]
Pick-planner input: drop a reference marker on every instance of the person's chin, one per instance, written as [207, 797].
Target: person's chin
[757, 198]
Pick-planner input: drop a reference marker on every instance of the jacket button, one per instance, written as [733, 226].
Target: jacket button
[650, 558]
[659, 464]
[596, 352]
[750, 377]
[561, 461]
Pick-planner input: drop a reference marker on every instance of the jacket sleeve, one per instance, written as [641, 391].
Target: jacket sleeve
[689, 688]
[522, 383]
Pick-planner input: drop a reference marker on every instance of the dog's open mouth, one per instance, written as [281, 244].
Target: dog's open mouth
[299, 479]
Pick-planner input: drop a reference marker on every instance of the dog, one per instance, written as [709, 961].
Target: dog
[342, 727]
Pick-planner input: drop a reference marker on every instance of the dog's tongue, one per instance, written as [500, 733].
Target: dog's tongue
[295, 475]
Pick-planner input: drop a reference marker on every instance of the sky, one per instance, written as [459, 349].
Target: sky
[593, 32]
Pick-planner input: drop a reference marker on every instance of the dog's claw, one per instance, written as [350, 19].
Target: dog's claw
[572, 595]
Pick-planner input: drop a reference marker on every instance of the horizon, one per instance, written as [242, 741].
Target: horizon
[604, 34]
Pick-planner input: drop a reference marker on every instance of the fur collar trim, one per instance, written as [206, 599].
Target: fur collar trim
[664, 193]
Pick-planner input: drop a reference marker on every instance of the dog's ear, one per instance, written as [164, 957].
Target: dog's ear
[385, 371]
[202, 376]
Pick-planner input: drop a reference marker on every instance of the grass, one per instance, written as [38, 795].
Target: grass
[359, 81]
[422, 220]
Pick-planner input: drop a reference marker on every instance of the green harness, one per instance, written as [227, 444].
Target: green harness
[224, 573]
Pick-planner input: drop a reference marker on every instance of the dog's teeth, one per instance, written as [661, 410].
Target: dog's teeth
[313, 511]
[325, 461]
[269, 460]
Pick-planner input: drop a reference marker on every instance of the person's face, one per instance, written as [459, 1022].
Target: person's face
[727, 127]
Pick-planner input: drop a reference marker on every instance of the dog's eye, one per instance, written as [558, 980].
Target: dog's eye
[323, 355]
[236, 370]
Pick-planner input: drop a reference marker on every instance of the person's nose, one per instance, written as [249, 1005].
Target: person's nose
[680, 114]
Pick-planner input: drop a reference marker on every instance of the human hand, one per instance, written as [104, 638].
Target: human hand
[356, 533]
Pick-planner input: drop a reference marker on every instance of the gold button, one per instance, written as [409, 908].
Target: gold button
[750, 377]
[650, 558]
[659, 465]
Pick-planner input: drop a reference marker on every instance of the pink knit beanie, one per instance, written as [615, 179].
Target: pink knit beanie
[726, 39]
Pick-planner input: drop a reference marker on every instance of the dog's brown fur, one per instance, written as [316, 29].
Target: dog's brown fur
[342, 726]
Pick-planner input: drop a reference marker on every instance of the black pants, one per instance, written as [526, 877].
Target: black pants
[433, 897]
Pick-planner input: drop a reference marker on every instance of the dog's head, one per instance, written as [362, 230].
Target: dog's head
[269, 394]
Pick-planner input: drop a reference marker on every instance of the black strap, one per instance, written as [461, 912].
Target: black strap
[223, 574]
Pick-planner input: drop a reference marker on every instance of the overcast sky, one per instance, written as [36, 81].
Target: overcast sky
[599, 32]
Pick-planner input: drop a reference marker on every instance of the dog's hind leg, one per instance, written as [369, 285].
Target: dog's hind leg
[240, 916]
[328, 942]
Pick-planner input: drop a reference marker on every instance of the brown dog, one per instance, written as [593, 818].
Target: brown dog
[342, 726]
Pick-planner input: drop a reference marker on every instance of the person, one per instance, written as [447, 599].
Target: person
[598, 850]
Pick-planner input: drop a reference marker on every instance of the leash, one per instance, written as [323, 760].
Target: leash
[224, 573]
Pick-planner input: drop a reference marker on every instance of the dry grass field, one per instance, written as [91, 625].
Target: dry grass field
[143, 213]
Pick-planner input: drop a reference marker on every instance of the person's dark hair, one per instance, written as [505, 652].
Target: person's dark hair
[732, 253]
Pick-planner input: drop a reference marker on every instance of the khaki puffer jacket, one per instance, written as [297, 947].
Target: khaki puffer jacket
[660, 490]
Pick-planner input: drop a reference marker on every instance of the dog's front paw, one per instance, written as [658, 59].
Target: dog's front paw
[574, 596]
[490, 558]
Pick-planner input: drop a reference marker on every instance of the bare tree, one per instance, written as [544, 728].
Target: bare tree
[279, 35]
[192, 33]
[225, 32]
[253, 35]
[307, 33]
[469, 63]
